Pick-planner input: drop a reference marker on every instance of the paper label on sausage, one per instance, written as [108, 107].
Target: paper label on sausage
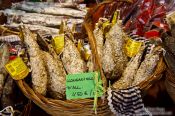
[132, 47]
[17, 69]
[58, 43]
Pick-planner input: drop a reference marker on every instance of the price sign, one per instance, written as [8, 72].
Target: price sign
[17, 69]
[79, 86]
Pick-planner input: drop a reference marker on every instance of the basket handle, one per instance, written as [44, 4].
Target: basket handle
[95, 55]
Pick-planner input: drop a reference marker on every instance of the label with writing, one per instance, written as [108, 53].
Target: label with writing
[132, 47]
[58, 43]
[79, 86]
[17, 69]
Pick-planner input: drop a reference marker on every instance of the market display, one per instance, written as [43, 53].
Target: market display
[41, 47]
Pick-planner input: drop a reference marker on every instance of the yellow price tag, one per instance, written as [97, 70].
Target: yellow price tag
[132, 47]
[58, 43]
[115, 17]
[17, 69]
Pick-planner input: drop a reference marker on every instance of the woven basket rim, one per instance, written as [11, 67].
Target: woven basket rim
[73, 106]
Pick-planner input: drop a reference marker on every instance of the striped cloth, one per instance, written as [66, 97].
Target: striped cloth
[127, 102]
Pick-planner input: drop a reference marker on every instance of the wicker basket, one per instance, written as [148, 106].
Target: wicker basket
[170, 84]
[80, 107]
[83, 107]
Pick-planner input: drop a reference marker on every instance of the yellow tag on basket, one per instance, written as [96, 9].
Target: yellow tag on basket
[132, 47]
[58, 43]
[115, 17]
[17, 69]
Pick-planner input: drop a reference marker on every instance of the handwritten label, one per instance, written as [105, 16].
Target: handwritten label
[17, 69]
[81, 86]
[58, 43]
[132, 47]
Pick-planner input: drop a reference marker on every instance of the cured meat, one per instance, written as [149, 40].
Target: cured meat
[10, 38]
[114, 59]
[56, 78]
[39, 74]
[148, 66]
[46, 9]
[18, 16]
[71, 58]
[128, 75]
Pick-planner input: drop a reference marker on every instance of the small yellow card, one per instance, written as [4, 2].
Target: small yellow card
[132, 47]
[115, 17]
[58, 43]
[17, 69]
